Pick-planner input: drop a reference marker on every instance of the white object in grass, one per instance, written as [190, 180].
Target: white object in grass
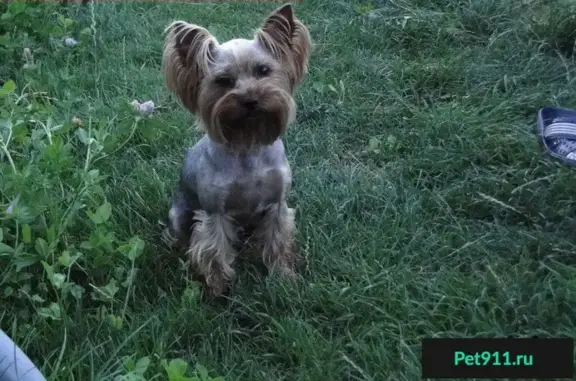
[70, 42]
[145, 108]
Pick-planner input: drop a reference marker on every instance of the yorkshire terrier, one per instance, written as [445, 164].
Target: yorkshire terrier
[234, 180]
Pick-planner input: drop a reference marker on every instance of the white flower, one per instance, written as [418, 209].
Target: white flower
[147, 108]
[69, 41]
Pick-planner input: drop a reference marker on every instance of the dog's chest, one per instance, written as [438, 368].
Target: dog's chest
[252, 193]
[239, 186]
[242, 187]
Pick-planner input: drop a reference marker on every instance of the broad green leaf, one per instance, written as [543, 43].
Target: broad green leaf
[176, 368]
[37, 135]
[82, 135]
[142, 365]
[51, 312]
[129, 364]
[23, 261]
[92, 176]
[68, 260]
[42, 247]
[202, 372]
[16, 7]
[5, 249]
[58, 280]
[26, 233]
[68, 23]
[102, 214]
[132, 249]
[57, 31]
[110, 289]
[76, 291]
[65, 259]
[131, 277]
[49, 270]
[8, 87]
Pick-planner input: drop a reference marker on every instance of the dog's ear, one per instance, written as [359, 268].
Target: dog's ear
[288, 40]
[188, 52]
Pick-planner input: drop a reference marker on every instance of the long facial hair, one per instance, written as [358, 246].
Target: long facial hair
[231, 124]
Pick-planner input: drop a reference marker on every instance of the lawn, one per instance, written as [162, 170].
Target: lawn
[425, 206]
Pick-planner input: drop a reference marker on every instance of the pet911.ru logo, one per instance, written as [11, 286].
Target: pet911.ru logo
[487, 358]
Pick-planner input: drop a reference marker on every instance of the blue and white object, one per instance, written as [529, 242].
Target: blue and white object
[14, 364]
[557, 129]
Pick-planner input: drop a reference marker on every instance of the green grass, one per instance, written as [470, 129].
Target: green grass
[425, 206]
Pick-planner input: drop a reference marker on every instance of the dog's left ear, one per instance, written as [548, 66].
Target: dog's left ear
[288, 40]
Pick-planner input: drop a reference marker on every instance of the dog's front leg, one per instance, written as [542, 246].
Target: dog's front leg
[211, 250]
[274, 237]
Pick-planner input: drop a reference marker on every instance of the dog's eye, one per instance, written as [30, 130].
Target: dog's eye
[262, 70]
[225, 81]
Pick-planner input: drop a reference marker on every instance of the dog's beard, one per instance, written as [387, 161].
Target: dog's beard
[252, 130]
[240, 128]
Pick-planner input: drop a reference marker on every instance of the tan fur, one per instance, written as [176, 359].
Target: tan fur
[274, 239]
[211, 250]
[187, 54]
[288, 40]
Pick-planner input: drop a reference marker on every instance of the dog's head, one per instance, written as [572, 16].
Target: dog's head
[241, 90]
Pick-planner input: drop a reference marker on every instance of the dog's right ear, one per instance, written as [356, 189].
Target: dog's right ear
[188, 52]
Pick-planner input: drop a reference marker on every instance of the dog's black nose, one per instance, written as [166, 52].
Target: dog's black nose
[250, 103]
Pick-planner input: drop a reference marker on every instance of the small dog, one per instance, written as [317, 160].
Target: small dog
[234, 181]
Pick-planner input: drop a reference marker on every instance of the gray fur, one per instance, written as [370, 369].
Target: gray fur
[240, 185]
[222, 194]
